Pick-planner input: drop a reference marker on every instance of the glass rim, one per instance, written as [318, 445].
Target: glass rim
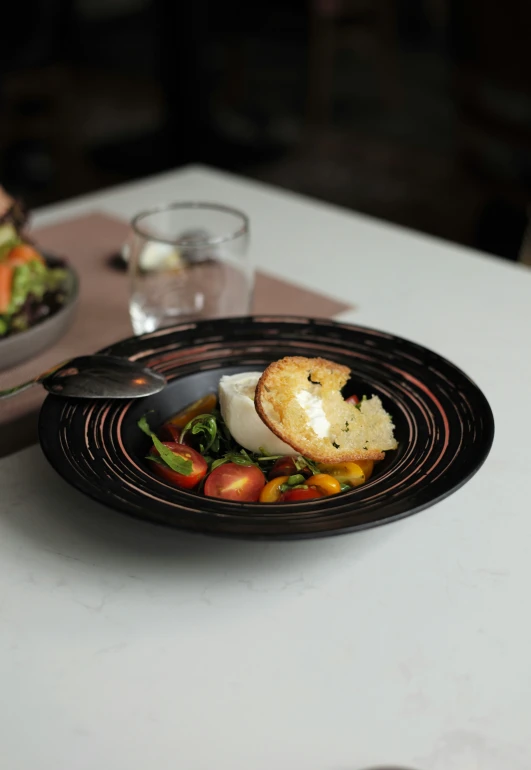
[208, 241]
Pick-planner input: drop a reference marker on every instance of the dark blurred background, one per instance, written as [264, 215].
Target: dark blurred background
[415, 111]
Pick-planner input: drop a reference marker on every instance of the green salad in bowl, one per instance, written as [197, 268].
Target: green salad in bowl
[32, 287]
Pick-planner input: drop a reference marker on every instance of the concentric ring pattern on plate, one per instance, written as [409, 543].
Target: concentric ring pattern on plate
[443, 423]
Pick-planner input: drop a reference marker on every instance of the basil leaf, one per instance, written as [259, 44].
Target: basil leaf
[238, 459]
[144, 426]
[218, 462]
[205, 427]
[155, 459]
[172, 460]
[167, 457]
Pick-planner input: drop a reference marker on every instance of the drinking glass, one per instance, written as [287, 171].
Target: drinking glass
[188, 261]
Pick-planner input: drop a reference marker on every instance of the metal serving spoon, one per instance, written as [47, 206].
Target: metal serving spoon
[95, 377]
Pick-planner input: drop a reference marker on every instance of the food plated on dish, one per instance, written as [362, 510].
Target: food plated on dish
[283, 435]
[441, 422]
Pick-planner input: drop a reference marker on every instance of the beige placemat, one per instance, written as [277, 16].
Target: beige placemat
[103, 317]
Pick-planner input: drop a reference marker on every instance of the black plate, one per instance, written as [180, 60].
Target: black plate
[444, 426]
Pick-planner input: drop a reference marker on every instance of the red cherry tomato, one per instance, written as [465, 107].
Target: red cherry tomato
[285, 466]
[169, 432]
[235, 482]
[352, 400]
[296, 495]
[199, 466]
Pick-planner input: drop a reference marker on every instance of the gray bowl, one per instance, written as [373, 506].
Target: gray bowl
[24, 345]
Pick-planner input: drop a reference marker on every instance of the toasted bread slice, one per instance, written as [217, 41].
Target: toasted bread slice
[328, 430]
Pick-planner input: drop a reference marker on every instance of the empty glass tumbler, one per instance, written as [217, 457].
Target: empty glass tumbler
[188, 261]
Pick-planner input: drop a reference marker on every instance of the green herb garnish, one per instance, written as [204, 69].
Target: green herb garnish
[155, 459]
[205, 428]
[169, 458]
[297, 478]
[304, 462]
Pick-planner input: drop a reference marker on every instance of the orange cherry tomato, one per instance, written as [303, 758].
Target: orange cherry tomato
[231, 481]
[204, 405]
[271, 492]
[297, 495]
[199, 466]
[352, 399]
[325, 483]
[20, 255]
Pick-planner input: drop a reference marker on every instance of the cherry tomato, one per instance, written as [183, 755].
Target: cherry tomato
[199, 466]
[204, 405]
[326, 484]
[352, 400]
[23, 253]
[271, 492]
[169, 432]
[235, 482]
[285, 466]
[296, 495]
[353, 474]
[367, 467]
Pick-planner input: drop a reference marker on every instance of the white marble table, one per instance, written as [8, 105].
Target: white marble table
[126, 647]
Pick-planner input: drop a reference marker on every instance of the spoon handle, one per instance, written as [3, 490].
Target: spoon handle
[16, 389]
[25, 385]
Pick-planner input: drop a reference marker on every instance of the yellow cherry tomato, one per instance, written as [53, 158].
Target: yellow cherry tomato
[271, 492]
[325, 483]
[367, 467]
[204, 405]
[353, 474]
